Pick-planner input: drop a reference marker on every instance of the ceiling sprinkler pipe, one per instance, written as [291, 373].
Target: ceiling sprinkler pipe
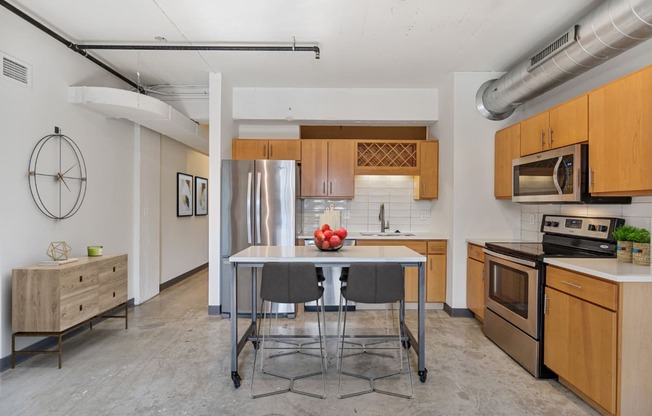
[612, 28]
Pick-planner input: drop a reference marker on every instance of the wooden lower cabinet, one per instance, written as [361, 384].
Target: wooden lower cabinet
[435, 252]
[475, 281]
[597, 337]
[51, 300]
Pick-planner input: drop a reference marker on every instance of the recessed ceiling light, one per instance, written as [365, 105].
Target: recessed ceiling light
[160, 39]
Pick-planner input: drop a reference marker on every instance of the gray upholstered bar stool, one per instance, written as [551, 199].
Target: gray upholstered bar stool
[289, 283]
[375, 283]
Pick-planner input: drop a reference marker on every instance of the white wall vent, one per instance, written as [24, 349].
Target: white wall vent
[15, 70]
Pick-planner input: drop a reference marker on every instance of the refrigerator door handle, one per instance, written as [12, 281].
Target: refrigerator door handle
[249, 225]
[258, 182]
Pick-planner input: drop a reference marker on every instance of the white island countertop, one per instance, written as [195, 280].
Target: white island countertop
[609, 269]
[346, 255]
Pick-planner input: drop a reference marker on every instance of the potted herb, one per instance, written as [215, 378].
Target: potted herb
[641, 246]
[624, 244]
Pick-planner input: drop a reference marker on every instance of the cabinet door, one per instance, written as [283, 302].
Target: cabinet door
[436, 278]
[620, 136]
[507, 146]
[534, 134]
[341, 182]
[580, 346]
[475, 287]
[314, 168]
[412, 284]
[249, 149]
[426, 185]
[284, 149]
[569, 123]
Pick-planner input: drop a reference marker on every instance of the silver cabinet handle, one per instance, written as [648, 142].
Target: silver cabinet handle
[270, 150]
[571, 284]
[323, 188]
[542, 142]
[550, 137]
[545, 305]
[331, 188]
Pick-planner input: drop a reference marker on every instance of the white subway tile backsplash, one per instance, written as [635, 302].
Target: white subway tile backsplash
[604, 210]
[395, 192]
[578, 210]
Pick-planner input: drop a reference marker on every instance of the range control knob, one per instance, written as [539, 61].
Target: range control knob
[602, 228]
[592, 227]
[548, 223]
[555, 224]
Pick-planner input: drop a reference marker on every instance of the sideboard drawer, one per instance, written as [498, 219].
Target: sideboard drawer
[76, 280]
[78, 308]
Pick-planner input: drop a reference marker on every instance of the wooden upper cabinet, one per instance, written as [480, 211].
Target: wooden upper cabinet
[507, 146]
[620, 136]
[266, 149]
[560, 126]
[534, 134]
[426, 185]
[569, 122]
[243, 149]
[327, 168]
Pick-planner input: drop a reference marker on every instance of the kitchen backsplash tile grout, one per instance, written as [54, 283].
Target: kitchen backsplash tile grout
[361, 213]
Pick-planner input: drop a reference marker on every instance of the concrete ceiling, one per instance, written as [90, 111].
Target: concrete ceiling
[364, 43]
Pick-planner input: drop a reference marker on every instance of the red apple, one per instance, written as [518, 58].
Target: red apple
[325, 245]
[342, 233]
[325, 227]
[328, 234]
[335, 241]
[317, 231]
[319, 236]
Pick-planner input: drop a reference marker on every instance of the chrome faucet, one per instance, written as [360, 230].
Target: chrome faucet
[384, 226]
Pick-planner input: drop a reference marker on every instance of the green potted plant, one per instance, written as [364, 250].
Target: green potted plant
[641, 246]
[624, 244]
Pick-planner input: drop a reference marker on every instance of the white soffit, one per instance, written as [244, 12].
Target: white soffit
[323, 105]
[144, 110]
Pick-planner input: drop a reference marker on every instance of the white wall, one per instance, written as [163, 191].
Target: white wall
[120, 210]
[183, 239]
[476, 213]
[107, 145]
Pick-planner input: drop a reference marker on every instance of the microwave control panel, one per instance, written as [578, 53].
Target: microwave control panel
[599, 228]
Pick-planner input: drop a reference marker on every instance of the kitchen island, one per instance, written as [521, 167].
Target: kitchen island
[257, 256]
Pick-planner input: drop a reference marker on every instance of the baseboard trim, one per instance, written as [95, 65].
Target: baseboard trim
[181, 277]
[458, 312]
[214, 309]
[51, 342]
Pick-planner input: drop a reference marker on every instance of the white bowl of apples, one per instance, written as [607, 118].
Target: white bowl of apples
[327, 239]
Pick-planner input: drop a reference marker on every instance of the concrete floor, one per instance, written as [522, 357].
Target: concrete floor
[174, 360]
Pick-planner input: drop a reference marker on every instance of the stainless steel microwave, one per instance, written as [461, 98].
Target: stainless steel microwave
[556, 176]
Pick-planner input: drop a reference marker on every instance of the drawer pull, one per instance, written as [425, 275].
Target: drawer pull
[113, 269]
[113, 294]
[81, 307]
[571, 284]
[81, 278]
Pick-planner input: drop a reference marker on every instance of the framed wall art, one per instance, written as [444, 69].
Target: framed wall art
[201, 196]
[184, 195]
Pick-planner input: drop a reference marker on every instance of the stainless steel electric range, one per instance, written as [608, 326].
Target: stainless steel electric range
[515, 281]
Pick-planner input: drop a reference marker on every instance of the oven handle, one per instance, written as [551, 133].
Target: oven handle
[512, 259]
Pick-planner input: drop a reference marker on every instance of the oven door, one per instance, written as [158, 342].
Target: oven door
[512, 289]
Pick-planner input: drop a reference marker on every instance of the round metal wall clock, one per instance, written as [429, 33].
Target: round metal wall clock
[57, 176]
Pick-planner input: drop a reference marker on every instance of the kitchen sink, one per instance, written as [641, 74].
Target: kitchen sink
[371, 234]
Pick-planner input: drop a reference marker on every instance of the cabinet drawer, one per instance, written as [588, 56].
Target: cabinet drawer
[475, 252]
[585, 287]
[437, 247]
[112, 295]
[416, 245]
[77, 280]
[78, 308]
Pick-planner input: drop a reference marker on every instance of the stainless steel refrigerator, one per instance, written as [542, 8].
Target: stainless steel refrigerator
[259, 207]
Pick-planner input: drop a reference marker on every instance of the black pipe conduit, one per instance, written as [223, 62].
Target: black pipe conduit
[81, 49]
[69, 44]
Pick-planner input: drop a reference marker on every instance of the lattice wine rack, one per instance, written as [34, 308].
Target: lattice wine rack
[385, 157]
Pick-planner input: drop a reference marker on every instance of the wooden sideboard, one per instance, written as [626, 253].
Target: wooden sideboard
[54, 300]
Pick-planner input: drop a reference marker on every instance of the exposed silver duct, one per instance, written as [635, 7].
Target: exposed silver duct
[610, 29]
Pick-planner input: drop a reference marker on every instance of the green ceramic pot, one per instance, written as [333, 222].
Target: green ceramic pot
[94, 251]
